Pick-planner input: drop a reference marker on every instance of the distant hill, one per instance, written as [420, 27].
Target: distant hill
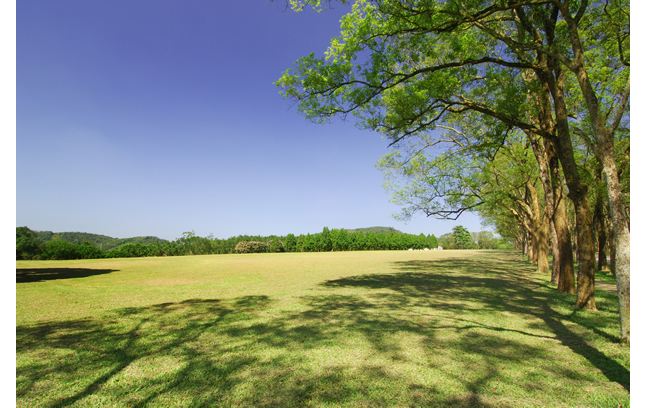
[104, 242]
[374, 229]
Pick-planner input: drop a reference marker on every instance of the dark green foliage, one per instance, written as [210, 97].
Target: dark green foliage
[325, 240]
[103, 242]
[432, 240]
[191, 244]
[130, 250]
[28, 245]
[276, 245]
[290, 243]
[59, 249]
[49, 245]
[462, 238]
[86, 250]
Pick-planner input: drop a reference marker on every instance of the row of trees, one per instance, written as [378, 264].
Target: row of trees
[29, 245]
[518, 110]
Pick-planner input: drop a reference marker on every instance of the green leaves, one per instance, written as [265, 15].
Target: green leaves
[404, 68]
[456, 86]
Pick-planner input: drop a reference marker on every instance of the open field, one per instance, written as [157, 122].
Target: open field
[398, 328]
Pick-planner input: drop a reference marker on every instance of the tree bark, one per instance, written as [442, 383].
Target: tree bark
[578, 194]
[565, 276]
[586, 275]
[531, 246]
[556, 254]
[540, 226]
[555, 207]
[543, 247]
[566, 260]
[621, 237]
[602, 258]
[545, 151]
[540, 153]
[602, 236]
[613, 251]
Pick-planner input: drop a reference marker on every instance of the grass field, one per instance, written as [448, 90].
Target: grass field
[360, 329]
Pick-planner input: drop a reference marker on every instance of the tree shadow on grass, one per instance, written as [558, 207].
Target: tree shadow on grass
[47, 274]
[501, 286]
[199, 352]
[116, 353]
[417, 337]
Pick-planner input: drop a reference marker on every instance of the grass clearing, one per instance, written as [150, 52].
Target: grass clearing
[366, 329]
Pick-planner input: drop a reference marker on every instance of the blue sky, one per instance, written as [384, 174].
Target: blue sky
[156, 117]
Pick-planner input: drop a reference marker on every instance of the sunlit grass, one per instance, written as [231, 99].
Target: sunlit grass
[450, 328]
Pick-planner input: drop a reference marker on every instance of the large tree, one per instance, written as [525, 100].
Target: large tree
[407, 67]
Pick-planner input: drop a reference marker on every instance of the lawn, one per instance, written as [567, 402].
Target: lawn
[360, 329]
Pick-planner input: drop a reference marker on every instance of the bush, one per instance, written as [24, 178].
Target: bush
[131, 250]
[248, 247]
[27, 244]
[276, 245]
[88, 251]
[59, 249]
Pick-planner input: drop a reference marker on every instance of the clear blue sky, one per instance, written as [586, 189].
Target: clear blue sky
[154, 117]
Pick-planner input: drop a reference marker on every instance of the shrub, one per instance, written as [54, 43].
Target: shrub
[276, 245]
[27, 244]
[59, 249]
[248, 247]
[131, 250]
[87, 250]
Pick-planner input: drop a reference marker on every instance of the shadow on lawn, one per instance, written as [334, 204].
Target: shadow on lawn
[242, 352]
[501, 287]
[46, 274]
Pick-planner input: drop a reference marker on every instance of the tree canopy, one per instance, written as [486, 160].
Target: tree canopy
[452, 83]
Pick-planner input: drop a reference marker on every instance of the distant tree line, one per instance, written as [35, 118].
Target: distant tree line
[461, 238]
[38, 245]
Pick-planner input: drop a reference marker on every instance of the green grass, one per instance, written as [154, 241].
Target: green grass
[360, 329]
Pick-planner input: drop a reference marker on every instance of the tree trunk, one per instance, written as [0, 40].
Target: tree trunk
[556, 255]
[621, 238]
[542, 149]
[622, 273]
[604, 150]
[585, 278]
[613, 251]
[602, 236]
[522, 242]
[540, 228]
[566, 260]
[602, 258]
[542, 257]
[578, 194]
[530, 248]
[565, 277]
